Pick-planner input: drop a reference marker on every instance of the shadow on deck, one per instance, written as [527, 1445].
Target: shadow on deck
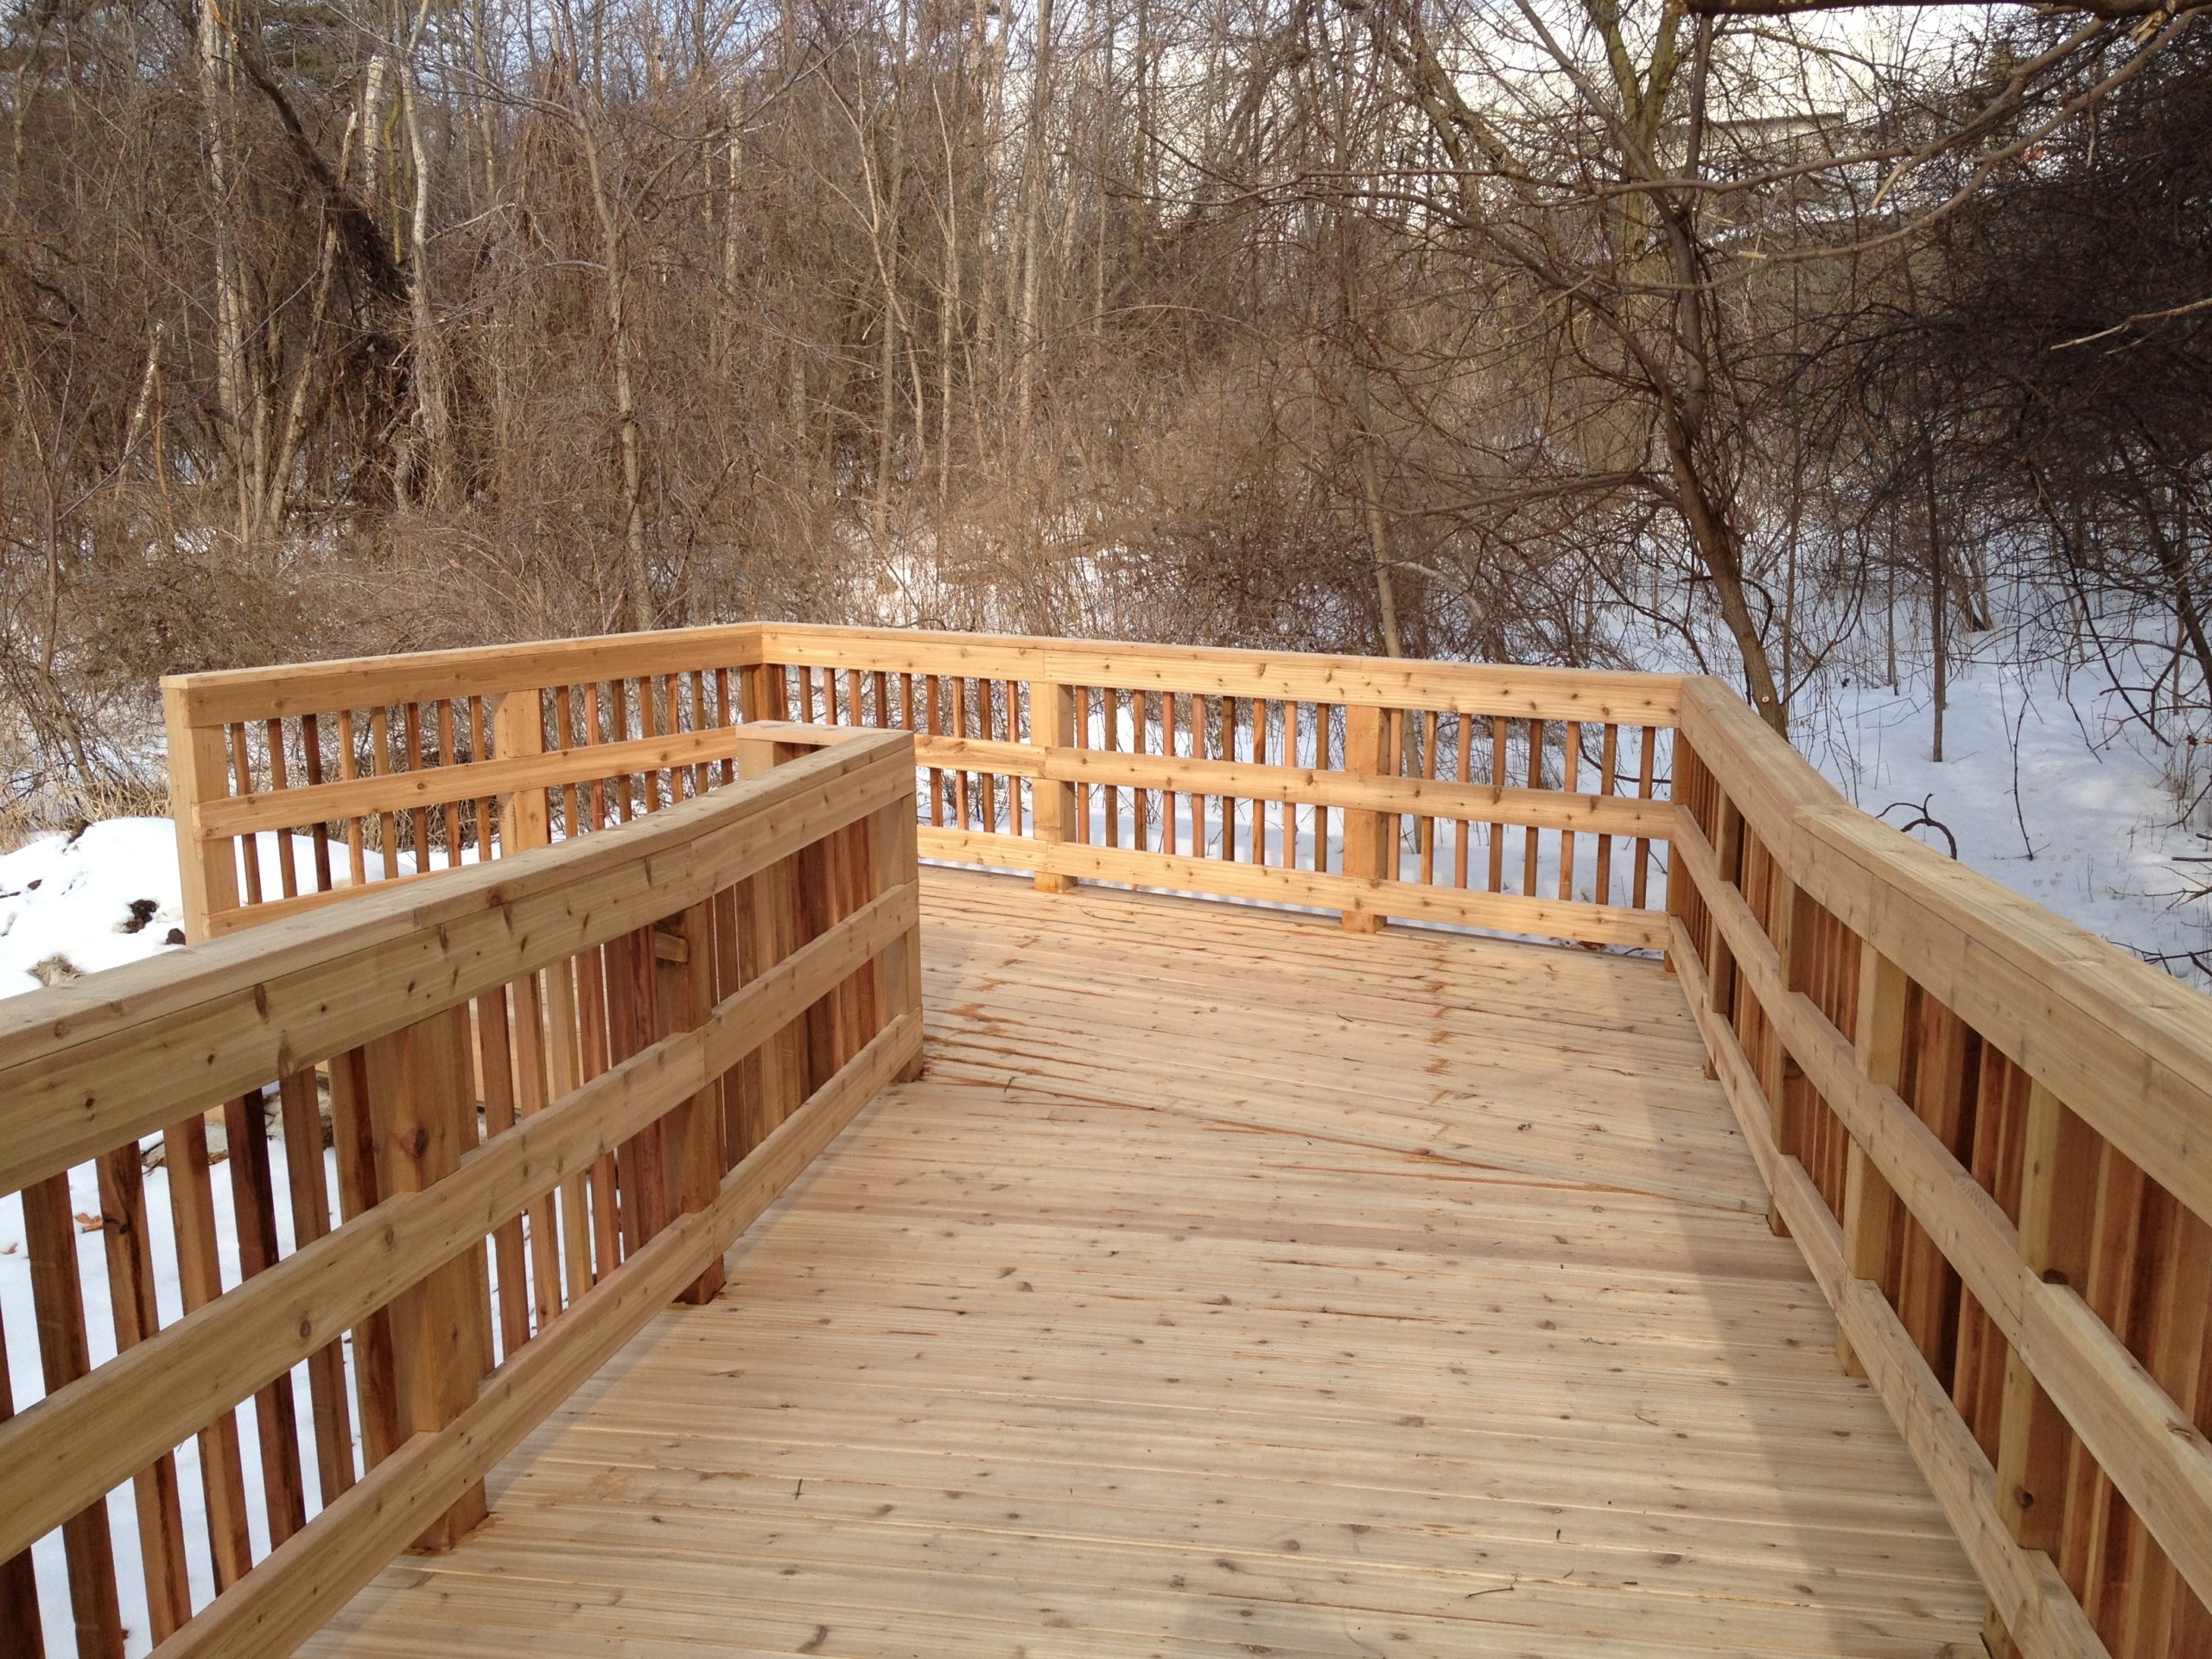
[1230, 1284]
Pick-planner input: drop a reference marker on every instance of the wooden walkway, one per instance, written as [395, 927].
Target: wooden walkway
[1232, 1285]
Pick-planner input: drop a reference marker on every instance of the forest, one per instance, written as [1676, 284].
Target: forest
[1748, 335]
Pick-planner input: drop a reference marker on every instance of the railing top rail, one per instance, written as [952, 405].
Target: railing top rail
[220, 696]
[227, 695]
[87, 1066]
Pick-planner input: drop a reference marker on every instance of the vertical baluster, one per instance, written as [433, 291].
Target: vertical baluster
[287, 869]
[1228, 802]
[253, 1210]
[157, 1499]
[353, 1136]
[383, 764]
[1465, 777]
[310, 1195]
[1644, 771]
[411, 730]
[447, 757]
[1528, 847]
[57, 1295]
[348, 769]
[1290, 807]
[311, 760]
[222, 1468]
[1499, 744]
[1140, 805]
[1425, 826]
[1608, 751]
[242, 784]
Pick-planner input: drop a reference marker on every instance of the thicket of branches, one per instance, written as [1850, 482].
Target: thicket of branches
[1406, 325]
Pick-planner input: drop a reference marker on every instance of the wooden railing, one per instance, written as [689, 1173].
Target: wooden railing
[556, 1089]
[1990, 1132]
[1530, 801]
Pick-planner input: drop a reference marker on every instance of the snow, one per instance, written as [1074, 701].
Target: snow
[2042, 791]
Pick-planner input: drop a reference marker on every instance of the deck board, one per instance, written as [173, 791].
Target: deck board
[1231, 1285]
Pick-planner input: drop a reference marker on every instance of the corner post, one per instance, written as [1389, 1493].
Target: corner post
[1051, 728]
[199, 770]
[892, 838]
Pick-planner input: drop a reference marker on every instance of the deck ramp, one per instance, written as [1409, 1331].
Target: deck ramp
[1232, 1285]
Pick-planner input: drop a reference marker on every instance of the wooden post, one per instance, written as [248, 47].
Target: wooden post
[898, 969]
[199, 770]
[684, 955]
[1051, 727]
[419, 1101]
[1367, 754]
[1869, 1205]
[519, 729]
[2058, 1194]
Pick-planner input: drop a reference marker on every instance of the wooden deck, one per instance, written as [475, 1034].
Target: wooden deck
[1232, 1285]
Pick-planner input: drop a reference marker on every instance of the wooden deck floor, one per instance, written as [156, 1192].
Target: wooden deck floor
[1231, 1285]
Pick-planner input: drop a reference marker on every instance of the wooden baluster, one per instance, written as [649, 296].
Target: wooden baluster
[1109, 742]
[986, 729]
[1290, 807]
[156, 1494]
[450, 812]
[20, 1631]
[632, 1023]
[960, 785]
[2171, 1328]
[310, 1195]
[933, 723]
[354, 1137]
[383, 764]
[348, 769]
[411, 730]
[496, 1058]
[726, 715]
[1529, 848]
[1228, 716]
[425, 1116]
[1367, 753]
[1608, 746]
[1054, 805]
[1499, 743]
[1197, 752]
[57, 1294]
[319, 832]
[1870, 1208]
[288, 872]
[242, 784]
[253, 1209]
[1784, 1081]
[1644, 778]
[222, 1470]
[1939, 1078]
[1464, 731]
[1140, 801]
[684, 954]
